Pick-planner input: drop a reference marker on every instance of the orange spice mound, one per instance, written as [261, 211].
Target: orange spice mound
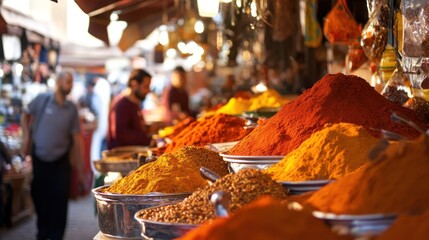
[265, 218]
[217, 128]
[333, 99]
[397, 182]
[410, 227]
[181, 125]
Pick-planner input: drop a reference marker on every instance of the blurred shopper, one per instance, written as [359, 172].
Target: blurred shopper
[86, 100]
[103, 92]
[126, 122]
[176, 97]
[55, 134]
[5, 190]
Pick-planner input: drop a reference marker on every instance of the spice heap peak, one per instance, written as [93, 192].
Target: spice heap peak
[177, 172]
[333, 99]
[217, 128]
[267, 218]
[335, 151]
[397, 182]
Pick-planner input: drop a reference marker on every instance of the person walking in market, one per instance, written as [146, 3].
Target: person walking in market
[127, 126]
[54, 137]
[176, 96]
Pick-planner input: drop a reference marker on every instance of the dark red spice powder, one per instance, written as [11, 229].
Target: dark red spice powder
[334, 98]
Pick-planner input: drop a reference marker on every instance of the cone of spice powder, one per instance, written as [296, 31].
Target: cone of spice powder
[396, 183]
[333, 99]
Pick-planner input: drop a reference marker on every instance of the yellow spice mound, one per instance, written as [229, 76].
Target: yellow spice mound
[176, 172]
[267, 99]
[330, 153]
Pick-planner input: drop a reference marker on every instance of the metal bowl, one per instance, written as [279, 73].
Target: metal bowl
[122, 153]
[221, 147]
[122, 166]
[295, 188]
[365, 225]
[236, 163]
[162, 230]
[116, 211]
[262, 112]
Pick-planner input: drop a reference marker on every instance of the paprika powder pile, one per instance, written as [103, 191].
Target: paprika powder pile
[177, 172]
[217, 128]
[333, 99]
[330, 153]
[172, 131]
[410, 227]
[396, 182]
[265, 218]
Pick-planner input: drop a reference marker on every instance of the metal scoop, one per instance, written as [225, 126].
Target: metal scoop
[220, 200]
[399, 119]
[208, 174]
[389, 135]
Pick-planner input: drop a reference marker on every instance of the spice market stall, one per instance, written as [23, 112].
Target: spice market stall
[346, 158]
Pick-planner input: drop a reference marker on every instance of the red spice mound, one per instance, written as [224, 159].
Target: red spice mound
[333, 99]
[415, 227]
[265, 218]
[217, 128]
[181, 125]
[397, 182]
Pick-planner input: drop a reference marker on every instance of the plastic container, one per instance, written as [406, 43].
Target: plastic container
[414, 47]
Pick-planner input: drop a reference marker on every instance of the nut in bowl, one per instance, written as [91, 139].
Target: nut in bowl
[162, 230]
[236, 163]
[116, 211]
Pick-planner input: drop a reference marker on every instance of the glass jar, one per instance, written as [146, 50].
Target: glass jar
[387, 63]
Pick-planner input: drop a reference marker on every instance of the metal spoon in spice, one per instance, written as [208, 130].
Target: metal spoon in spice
[399, 119]
[208, 174]
[220, 200]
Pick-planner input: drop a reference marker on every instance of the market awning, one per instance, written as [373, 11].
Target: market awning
[10, 19]
[142, 16]
[73, 55]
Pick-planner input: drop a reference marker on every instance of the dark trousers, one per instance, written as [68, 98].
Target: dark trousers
[49, 190]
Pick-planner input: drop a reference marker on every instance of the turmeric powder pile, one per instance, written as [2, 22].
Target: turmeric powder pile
[330, 153]
[396, 182]
[235, 106]
[176, 172]
[268, 99]
[218, 128]
[265, 218]
[410, 227]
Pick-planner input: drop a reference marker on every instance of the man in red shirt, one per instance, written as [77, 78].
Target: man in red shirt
[126, 123]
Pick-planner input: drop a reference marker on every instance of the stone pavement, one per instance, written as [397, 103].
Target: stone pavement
[82, 223]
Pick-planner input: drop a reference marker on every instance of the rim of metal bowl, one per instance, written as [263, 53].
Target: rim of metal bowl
[124, 197]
